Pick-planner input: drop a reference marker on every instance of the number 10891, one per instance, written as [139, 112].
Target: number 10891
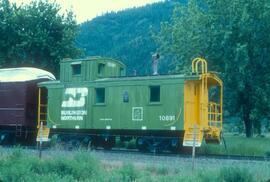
[167, 118]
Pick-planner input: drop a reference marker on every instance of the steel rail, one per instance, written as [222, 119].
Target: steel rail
[199, 156]
[154, 154]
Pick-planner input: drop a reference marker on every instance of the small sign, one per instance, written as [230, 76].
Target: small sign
[125, 96]
[137, 113]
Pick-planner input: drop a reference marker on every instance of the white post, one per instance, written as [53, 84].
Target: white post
[155, 58]
[40, 139]
[194, 147]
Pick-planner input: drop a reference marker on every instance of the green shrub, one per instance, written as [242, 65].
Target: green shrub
[163, 170]
[81, 167]
[207, 176]
[128, 173]
[21, 167]
[235, 174]
[14, 167]
[267, 153]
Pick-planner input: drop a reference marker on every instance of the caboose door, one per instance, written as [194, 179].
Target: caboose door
[195, 115]
[192, 103]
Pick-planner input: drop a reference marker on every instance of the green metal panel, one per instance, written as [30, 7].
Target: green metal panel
[54, 109]
[72, 103]
[137, 113]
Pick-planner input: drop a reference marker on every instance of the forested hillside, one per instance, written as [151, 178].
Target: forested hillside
[126, 35]
[232, 35]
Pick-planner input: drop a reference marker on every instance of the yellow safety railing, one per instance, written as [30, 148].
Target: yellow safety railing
[214, 109]
[210, 112]
[214, 115]
[195, 65]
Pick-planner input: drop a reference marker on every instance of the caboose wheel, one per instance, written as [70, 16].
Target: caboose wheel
[7, 139]
[108, 142]
[141, 144]
[153, 144]
[175, 146]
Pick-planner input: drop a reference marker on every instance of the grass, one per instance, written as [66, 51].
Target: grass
[239, 145]
[20, 166]
[236, 145]
[82, 166]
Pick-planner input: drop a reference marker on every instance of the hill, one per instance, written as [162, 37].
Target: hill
[125, 35]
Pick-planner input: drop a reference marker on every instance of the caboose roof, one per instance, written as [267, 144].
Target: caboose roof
[150, 77]
[94, 58]
[126, 79]
[24, 74]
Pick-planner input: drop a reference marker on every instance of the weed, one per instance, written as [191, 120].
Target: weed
[235, 174]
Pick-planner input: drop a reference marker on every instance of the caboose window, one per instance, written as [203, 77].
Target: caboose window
[122, 73]
[76, 69]
[101, 68]
[154, 93]
[100, 95]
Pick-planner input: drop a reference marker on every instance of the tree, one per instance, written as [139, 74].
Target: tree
[36, 35]
[233, 35]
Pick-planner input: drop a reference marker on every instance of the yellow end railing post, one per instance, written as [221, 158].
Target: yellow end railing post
[221, 105]
[39, 98]
[195, 65]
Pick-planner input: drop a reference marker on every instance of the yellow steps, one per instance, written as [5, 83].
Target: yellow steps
[45, 134]
[213, 135]
[193, 136]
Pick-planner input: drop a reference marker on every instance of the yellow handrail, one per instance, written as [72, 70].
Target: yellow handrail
[215, 114]
[195, 65]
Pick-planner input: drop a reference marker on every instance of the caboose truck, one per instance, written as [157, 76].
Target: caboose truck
[94, 102]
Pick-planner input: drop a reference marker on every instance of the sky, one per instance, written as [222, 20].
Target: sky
[88, 9]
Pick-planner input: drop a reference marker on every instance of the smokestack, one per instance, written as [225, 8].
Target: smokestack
[134, 72]
[155, 58]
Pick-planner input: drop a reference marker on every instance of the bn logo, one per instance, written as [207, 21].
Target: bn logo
[75, 97]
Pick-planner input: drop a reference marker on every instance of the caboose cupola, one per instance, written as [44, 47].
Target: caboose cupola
[90, 69]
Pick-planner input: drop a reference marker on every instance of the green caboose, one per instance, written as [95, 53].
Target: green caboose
[94, 101]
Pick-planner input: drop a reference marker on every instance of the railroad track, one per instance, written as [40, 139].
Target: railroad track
[199, 156]
[124, 151]
[235, 157]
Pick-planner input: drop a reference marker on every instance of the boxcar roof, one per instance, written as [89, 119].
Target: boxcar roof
[24, 74]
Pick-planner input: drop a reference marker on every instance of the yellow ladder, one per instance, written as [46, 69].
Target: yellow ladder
[193, 136]
[43, 130]
[42, 110]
